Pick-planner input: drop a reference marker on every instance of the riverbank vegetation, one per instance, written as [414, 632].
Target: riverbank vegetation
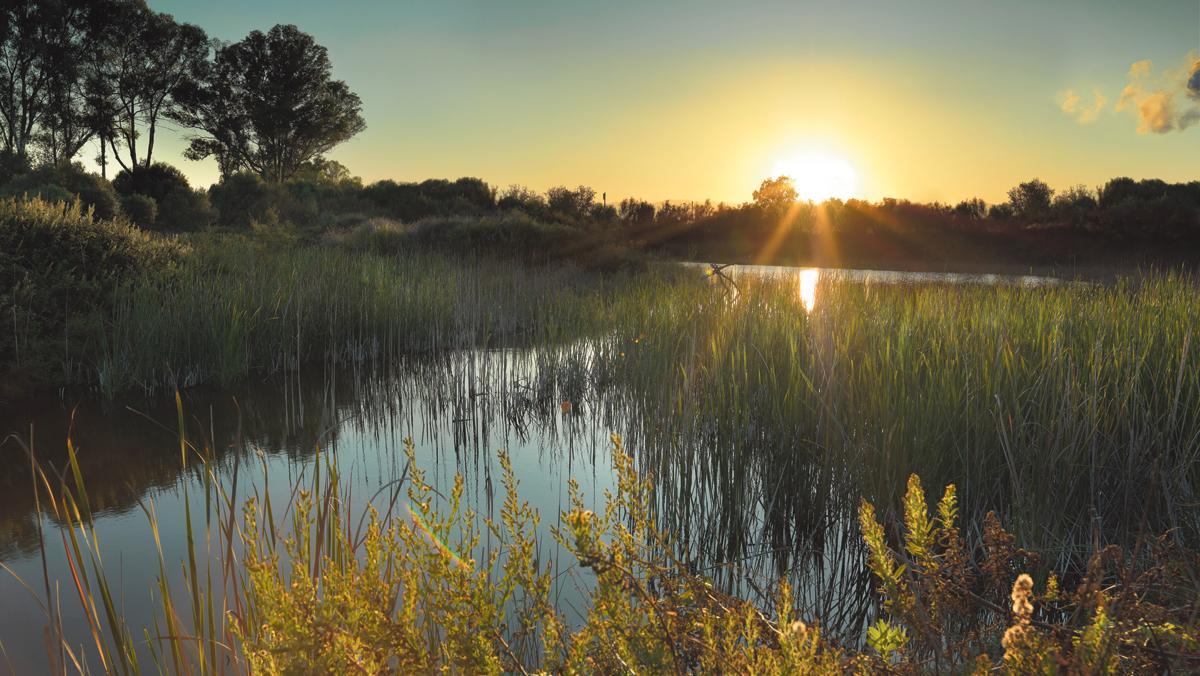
[1102, 374]
[779, 422]
[307, 585]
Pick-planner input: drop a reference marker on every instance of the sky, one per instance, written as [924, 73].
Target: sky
[692, 99]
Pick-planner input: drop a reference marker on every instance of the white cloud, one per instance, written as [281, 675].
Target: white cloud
[1167, 102]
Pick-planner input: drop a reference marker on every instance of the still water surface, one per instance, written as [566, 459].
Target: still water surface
[459, 411]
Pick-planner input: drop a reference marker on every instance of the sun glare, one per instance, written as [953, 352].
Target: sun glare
[819, 176]
[808, 287]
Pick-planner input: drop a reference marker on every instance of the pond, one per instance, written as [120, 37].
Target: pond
[808, 279]
[458, 411]
[753, 490]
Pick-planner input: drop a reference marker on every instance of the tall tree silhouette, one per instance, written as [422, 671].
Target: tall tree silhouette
[144, 60]
[268, 104]
[41, 44]
[774, 193]
[1031, 199]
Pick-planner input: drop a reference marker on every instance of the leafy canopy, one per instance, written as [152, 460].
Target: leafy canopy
[268, 104]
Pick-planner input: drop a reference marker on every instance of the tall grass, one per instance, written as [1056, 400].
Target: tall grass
[1074, 409]
[233, 312]
[308, 585]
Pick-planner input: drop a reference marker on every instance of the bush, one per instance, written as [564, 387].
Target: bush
[58, 267]
[12, 166]
[520, 198]
[377, 235]
[179, 208]
[421, 594]
[241, 200]
[156, 181]
[311, 202]
[140, 209]
[52, 182]
[570, 206]
[434, 197]
[245, 201]
[184, 211]
[516, 235]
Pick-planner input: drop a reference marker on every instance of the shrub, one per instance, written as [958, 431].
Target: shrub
[1129, 614]
[52, 182]
[140, 209]
[411, 590]
[12, 166]
[516, 235]
[240, 200]
[637, 213]
[58, 265]
[377, 235]
[520, 198]
[434, 197]
[402, 201]
[244, 201]
[156, 181]
[603, 213]
[178, 207]
[184, 211]
[570, 206]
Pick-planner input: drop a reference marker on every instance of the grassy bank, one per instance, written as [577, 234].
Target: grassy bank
[1072, 409]
[101, 304]
[239, 308]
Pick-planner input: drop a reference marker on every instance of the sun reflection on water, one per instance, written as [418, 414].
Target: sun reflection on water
[808, 287]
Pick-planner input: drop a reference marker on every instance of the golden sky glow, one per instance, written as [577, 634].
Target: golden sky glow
[666, 99]
[818, 176]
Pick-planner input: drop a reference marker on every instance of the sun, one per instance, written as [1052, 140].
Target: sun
[819, 176]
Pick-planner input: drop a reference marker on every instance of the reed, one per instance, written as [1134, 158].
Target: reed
[1073, 409]
[230, 312]
[312, 585]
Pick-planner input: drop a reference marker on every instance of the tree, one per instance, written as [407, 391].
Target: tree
[672, 214]
[776, 192]
[1031, 199]
[329, 172]
[146, 60]
[1001, 212]
[637, 213]
[22, 78]
[520, 198]
[42, 45]
[157, 181]
[570, 205]
[974, 209]
[268, 104]
[69, 29]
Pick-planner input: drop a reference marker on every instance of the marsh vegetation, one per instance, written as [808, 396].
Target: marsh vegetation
[763, 410]
[297, 422]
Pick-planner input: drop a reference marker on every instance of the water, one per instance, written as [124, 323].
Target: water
[808, 279]
[459, 410]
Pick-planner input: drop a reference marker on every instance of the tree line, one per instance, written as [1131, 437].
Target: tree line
[114, 72]
[110, 74]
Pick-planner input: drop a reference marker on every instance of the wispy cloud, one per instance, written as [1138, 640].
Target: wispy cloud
[1083, 112]
[1169, 101]
[1193, 81]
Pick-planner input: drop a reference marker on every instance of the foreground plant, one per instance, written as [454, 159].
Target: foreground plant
[411, 587]
[949, 608]
[417, 594]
